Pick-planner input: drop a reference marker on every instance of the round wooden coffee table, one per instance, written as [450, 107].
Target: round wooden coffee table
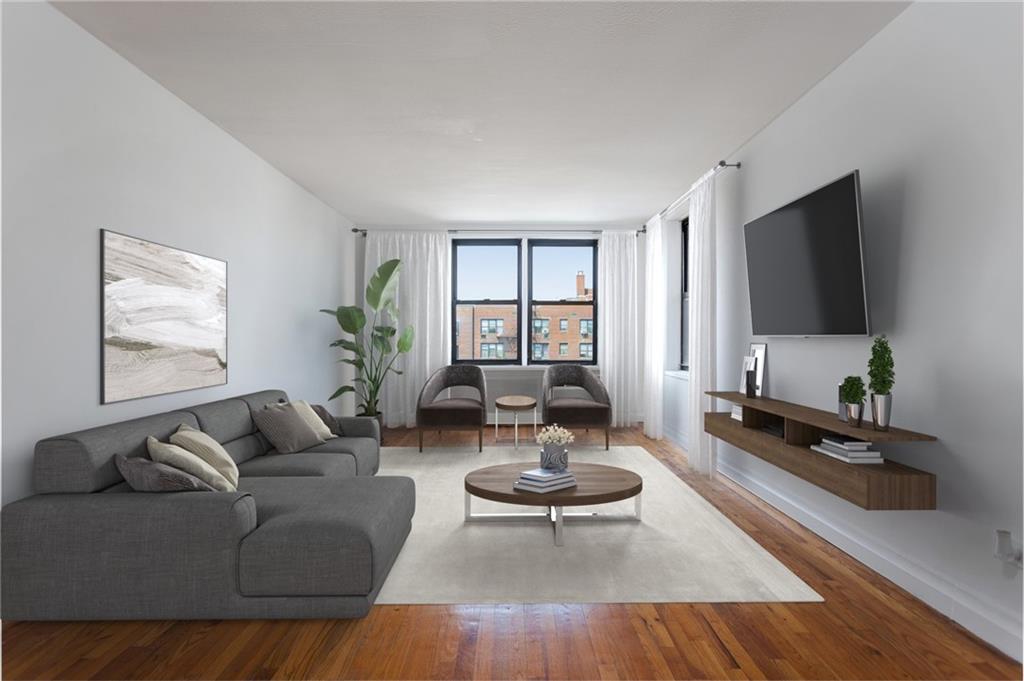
[515, 404]
[595, 484]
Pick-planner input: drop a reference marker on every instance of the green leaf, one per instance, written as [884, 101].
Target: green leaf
[405, 340]
[341, 391]
[382, 344]
[351, 347]
[381, 289]
[357, 363]
[351, 318]
[386, 331]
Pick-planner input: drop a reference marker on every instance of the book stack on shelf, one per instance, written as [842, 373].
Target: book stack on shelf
[848, 450]
[737, 412]
[542, 480]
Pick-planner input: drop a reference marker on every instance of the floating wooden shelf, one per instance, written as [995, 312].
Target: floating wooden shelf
[875, 487]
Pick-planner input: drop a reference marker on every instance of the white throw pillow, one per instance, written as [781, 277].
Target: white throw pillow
[207, 449]
[315, 422]
[184, 460]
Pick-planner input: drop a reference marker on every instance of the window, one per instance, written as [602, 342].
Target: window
[492, 351]
[492, 327]
[491, 311]
[561, 275]
[684, 317]
[486, 295]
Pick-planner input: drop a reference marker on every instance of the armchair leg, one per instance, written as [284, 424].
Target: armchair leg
[480, 439]
[606, 429]
[420, 430]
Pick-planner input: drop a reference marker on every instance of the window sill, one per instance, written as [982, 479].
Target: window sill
[678, 374]
[537, 368]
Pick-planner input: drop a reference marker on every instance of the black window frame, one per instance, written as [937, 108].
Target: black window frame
[530, 302]
[517, 302]
[684, 298]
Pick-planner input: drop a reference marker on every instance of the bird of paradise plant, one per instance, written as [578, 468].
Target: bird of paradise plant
[373, 353]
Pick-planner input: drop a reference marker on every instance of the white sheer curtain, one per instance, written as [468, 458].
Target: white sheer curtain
[655, 270]
[422, 299]
[701, 336]
[618, 294]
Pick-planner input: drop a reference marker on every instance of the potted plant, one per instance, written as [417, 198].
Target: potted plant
[554, 455]
[852, 394]
[880, 379]
[374, 353]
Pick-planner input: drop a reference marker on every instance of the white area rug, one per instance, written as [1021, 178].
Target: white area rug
[683, 550]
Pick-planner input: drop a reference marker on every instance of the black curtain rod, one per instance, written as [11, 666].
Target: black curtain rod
[722, 165]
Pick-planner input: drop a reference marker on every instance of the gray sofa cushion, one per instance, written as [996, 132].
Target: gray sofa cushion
[224, 420]
[300, 464]
[257, 401]
[364, 450]
[246, 448]
[143, 475]
[323, 536]
[83, 461]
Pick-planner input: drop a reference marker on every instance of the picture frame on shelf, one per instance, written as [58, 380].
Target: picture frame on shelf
[749, 364]
[759, 351]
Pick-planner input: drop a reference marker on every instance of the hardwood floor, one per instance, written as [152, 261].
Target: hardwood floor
[867, 628]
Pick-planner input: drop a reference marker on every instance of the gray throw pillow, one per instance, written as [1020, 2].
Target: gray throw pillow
[285, 428]
[143, 475]
[328, 418]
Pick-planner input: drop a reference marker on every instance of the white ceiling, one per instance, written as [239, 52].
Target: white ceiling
[488, 112]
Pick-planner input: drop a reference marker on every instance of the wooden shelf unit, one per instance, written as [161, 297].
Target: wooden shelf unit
[876, 487]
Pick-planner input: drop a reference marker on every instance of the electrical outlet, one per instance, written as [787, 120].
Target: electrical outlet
[1006, 551]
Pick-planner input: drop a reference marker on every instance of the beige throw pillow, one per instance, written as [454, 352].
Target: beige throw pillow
[184, 460]
[286, 430]
[207, 449]
[315, 422]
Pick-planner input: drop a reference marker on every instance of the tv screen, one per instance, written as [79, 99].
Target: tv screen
[805, 266]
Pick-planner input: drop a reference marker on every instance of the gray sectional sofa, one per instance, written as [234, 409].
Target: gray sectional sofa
[307, 535]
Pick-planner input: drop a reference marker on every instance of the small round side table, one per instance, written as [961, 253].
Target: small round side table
[515, 404]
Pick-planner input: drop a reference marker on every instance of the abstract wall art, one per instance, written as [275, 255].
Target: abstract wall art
[165, 315]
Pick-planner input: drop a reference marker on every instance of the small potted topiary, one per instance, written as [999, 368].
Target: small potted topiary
[880, 379]
[852, 394]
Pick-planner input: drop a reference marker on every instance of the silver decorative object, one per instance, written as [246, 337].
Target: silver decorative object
[554, 457]
[881, 409]
[854, 414]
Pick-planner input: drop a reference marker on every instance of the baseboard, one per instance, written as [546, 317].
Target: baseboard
[986, 620]
[676, 437]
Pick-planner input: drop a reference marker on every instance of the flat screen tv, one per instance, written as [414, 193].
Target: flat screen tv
[805, 267]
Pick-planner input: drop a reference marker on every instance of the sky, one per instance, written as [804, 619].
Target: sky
[490, 272]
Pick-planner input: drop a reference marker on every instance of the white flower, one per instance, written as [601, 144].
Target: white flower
[555, 435]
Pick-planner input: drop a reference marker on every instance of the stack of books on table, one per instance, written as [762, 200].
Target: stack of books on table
[848, 450]
[541, 480]
[737, 412]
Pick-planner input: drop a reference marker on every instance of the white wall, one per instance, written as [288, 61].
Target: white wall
[930, 111]
[90, 142]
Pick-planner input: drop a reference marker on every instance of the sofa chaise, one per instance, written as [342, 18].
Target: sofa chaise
[307, 535]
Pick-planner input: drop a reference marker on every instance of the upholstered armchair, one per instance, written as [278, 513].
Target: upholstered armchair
[453, 413]
[595, 412]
